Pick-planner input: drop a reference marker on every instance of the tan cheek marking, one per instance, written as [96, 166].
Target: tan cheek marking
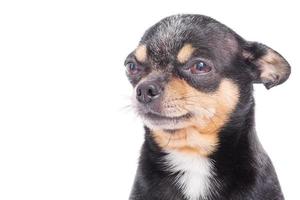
[141, 53]
[185, 53]
[201, 133]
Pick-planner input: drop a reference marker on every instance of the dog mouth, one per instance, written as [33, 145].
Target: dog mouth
[156, 116]
[163, 115]
[157, 120]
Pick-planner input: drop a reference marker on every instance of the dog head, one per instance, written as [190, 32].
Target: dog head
[192, 71]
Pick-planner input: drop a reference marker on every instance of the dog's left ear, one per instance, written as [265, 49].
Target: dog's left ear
[266, 65]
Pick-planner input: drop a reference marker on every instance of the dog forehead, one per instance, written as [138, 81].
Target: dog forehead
[165, 39]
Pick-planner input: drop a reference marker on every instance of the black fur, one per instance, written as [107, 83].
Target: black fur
[241, 165]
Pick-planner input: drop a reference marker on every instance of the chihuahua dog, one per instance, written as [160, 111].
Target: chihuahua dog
[193, 89]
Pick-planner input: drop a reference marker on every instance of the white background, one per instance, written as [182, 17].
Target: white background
[66, 131]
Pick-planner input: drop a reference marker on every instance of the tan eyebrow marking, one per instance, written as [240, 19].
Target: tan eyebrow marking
[185, 53]
[141, 53]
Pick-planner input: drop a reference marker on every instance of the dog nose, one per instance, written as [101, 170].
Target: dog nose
[147, 91]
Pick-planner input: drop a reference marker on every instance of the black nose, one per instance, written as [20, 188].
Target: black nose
[147, 91]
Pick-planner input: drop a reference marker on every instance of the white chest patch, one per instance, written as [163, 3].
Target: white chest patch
[196, 174]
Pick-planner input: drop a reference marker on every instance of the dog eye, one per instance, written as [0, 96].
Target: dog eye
[199, 67]
[132, 68]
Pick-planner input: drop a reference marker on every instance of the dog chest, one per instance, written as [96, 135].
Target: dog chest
[195, 177]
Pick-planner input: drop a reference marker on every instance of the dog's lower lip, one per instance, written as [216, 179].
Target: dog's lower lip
[152, 115]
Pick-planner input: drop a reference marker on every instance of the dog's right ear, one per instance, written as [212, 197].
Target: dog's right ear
[266, 65]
